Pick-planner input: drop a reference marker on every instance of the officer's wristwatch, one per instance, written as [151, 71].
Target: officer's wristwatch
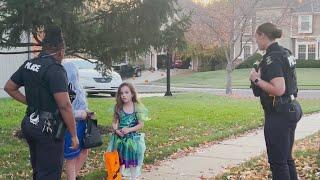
[256, 81]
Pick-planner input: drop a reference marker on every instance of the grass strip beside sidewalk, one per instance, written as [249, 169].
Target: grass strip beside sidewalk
[306, 155]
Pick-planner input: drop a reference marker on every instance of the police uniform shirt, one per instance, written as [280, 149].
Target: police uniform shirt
[54, 79]
[271, 67]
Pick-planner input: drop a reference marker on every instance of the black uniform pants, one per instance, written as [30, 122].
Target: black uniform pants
[45, 152]
[279, 133]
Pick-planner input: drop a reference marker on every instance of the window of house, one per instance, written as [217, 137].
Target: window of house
[246, 51]
[311, 51]
[307, 51]
[302, 51]
[305, 23]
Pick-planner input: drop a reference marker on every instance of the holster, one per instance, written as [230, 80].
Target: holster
[283, 104]
[58, 125]
[59, 129]
[266, 102]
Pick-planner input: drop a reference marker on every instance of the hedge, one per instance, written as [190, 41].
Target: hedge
[308, 63]
[248, 63]
[300, 63]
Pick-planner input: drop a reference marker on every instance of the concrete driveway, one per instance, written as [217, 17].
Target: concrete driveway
[149, 76]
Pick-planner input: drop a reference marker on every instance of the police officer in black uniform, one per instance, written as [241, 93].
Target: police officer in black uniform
[48, 104]
[276, 84]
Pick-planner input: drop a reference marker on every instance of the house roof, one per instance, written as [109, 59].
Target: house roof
[278, 3]
[308, 6]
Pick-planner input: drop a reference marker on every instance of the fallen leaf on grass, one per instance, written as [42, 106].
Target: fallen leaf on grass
[305, 155]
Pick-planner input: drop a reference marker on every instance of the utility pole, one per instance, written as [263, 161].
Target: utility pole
[29, 47]
[168, 60]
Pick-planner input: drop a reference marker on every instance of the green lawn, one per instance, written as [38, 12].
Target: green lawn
[178, 122]
[307, 79]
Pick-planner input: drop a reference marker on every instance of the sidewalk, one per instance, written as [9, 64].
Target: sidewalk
[211, 161]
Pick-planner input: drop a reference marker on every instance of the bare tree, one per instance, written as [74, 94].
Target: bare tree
[232, 24]
[229, 21]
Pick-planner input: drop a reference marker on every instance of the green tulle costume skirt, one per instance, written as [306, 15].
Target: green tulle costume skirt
[131, 150]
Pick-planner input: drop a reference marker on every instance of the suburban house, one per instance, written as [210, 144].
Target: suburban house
[305, 32]
[10, 63]
[299, 20]
[149, 60]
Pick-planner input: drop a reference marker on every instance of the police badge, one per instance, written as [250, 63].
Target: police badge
[268, 60]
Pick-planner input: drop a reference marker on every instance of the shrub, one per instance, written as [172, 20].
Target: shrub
[308, 63]
[248, 63]
[214, 61]
[210, 63]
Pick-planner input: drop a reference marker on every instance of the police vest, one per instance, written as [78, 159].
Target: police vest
[289, 69]
[37, 91]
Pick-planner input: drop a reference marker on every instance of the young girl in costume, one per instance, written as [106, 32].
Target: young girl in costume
[129, 116]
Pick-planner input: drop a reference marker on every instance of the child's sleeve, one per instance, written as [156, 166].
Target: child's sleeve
[142, 112]
[78, 113]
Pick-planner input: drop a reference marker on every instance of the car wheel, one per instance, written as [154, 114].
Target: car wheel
[113, 94]
[138, 73]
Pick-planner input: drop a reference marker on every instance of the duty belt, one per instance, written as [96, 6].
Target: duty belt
[283, 99]
[41, 113]
[49, 118]
[271, 103]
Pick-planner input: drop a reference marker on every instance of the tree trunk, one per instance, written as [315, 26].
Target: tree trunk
[196, 64]
[229, 70]
[229, 78]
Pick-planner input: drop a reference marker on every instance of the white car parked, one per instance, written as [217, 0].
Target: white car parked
[92, 81]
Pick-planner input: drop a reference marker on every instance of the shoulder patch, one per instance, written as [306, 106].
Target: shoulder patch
[292, 61]
[268, 60]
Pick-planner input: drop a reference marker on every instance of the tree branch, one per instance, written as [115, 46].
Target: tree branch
[5, 43]
[20, 52]
[35, 36]
[72, 52]
[81, 57]
[19, 44]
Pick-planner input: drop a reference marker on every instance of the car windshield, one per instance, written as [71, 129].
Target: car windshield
[83, 64]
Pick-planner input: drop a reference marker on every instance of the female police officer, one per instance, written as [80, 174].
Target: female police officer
[46, 95]
[276, 81]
